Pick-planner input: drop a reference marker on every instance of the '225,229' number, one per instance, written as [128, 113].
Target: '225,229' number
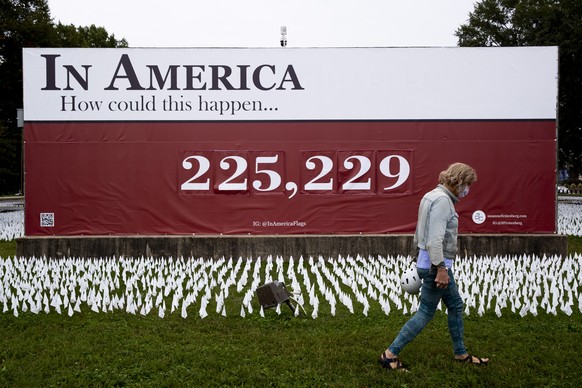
[321, 172]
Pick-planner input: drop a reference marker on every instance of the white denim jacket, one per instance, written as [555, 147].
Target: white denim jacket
[438, 224]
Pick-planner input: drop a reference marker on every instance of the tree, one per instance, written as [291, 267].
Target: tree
[27, 23]
[22, 24]
[540, 23]
[71, 36]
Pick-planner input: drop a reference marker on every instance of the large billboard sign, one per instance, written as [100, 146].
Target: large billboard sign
[285, 141]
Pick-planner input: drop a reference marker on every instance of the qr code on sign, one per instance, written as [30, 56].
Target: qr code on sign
[47, 220]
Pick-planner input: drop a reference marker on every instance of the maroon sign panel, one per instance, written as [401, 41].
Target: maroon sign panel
[288, 172]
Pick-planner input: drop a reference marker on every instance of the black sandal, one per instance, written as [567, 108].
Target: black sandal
[470, 359]
[387, 363]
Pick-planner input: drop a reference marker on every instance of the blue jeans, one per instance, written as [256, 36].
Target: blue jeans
[430, 297]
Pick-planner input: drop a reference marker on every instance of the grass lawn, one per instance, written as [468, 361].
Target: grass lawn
[7, 248]
[126, 350]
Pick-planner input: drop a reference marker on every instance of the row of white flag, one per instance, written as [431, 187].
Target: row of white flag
[11, 225]
[570, 218]
[198, 287]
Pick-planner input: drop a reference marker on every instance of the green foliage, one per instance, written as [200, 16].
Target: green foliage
[9, 161]
[27, 23]
[92, 36]
[540, 23]
[22, 24]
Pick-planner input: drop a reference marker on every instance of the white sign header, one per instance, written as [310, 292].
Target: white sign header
[63, 84]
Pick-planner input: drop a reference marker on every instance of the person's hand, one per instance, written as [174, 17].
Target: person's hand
[442, 278]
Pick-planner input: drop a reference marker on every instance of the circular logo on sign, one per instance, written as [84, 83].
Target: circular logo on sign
[479, 217]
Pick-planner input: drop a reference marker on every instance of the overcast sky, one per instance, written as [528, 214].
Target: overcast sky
[256, 23]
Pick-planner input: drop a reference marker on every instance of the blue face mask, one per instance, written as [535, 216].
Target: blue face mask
[463, 191]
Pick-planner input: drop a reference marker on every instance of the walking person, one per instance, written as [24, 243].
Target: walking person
[436, 238]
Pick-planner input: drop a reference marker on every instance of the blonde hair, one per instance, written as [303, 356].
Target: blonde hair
[458, 174]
